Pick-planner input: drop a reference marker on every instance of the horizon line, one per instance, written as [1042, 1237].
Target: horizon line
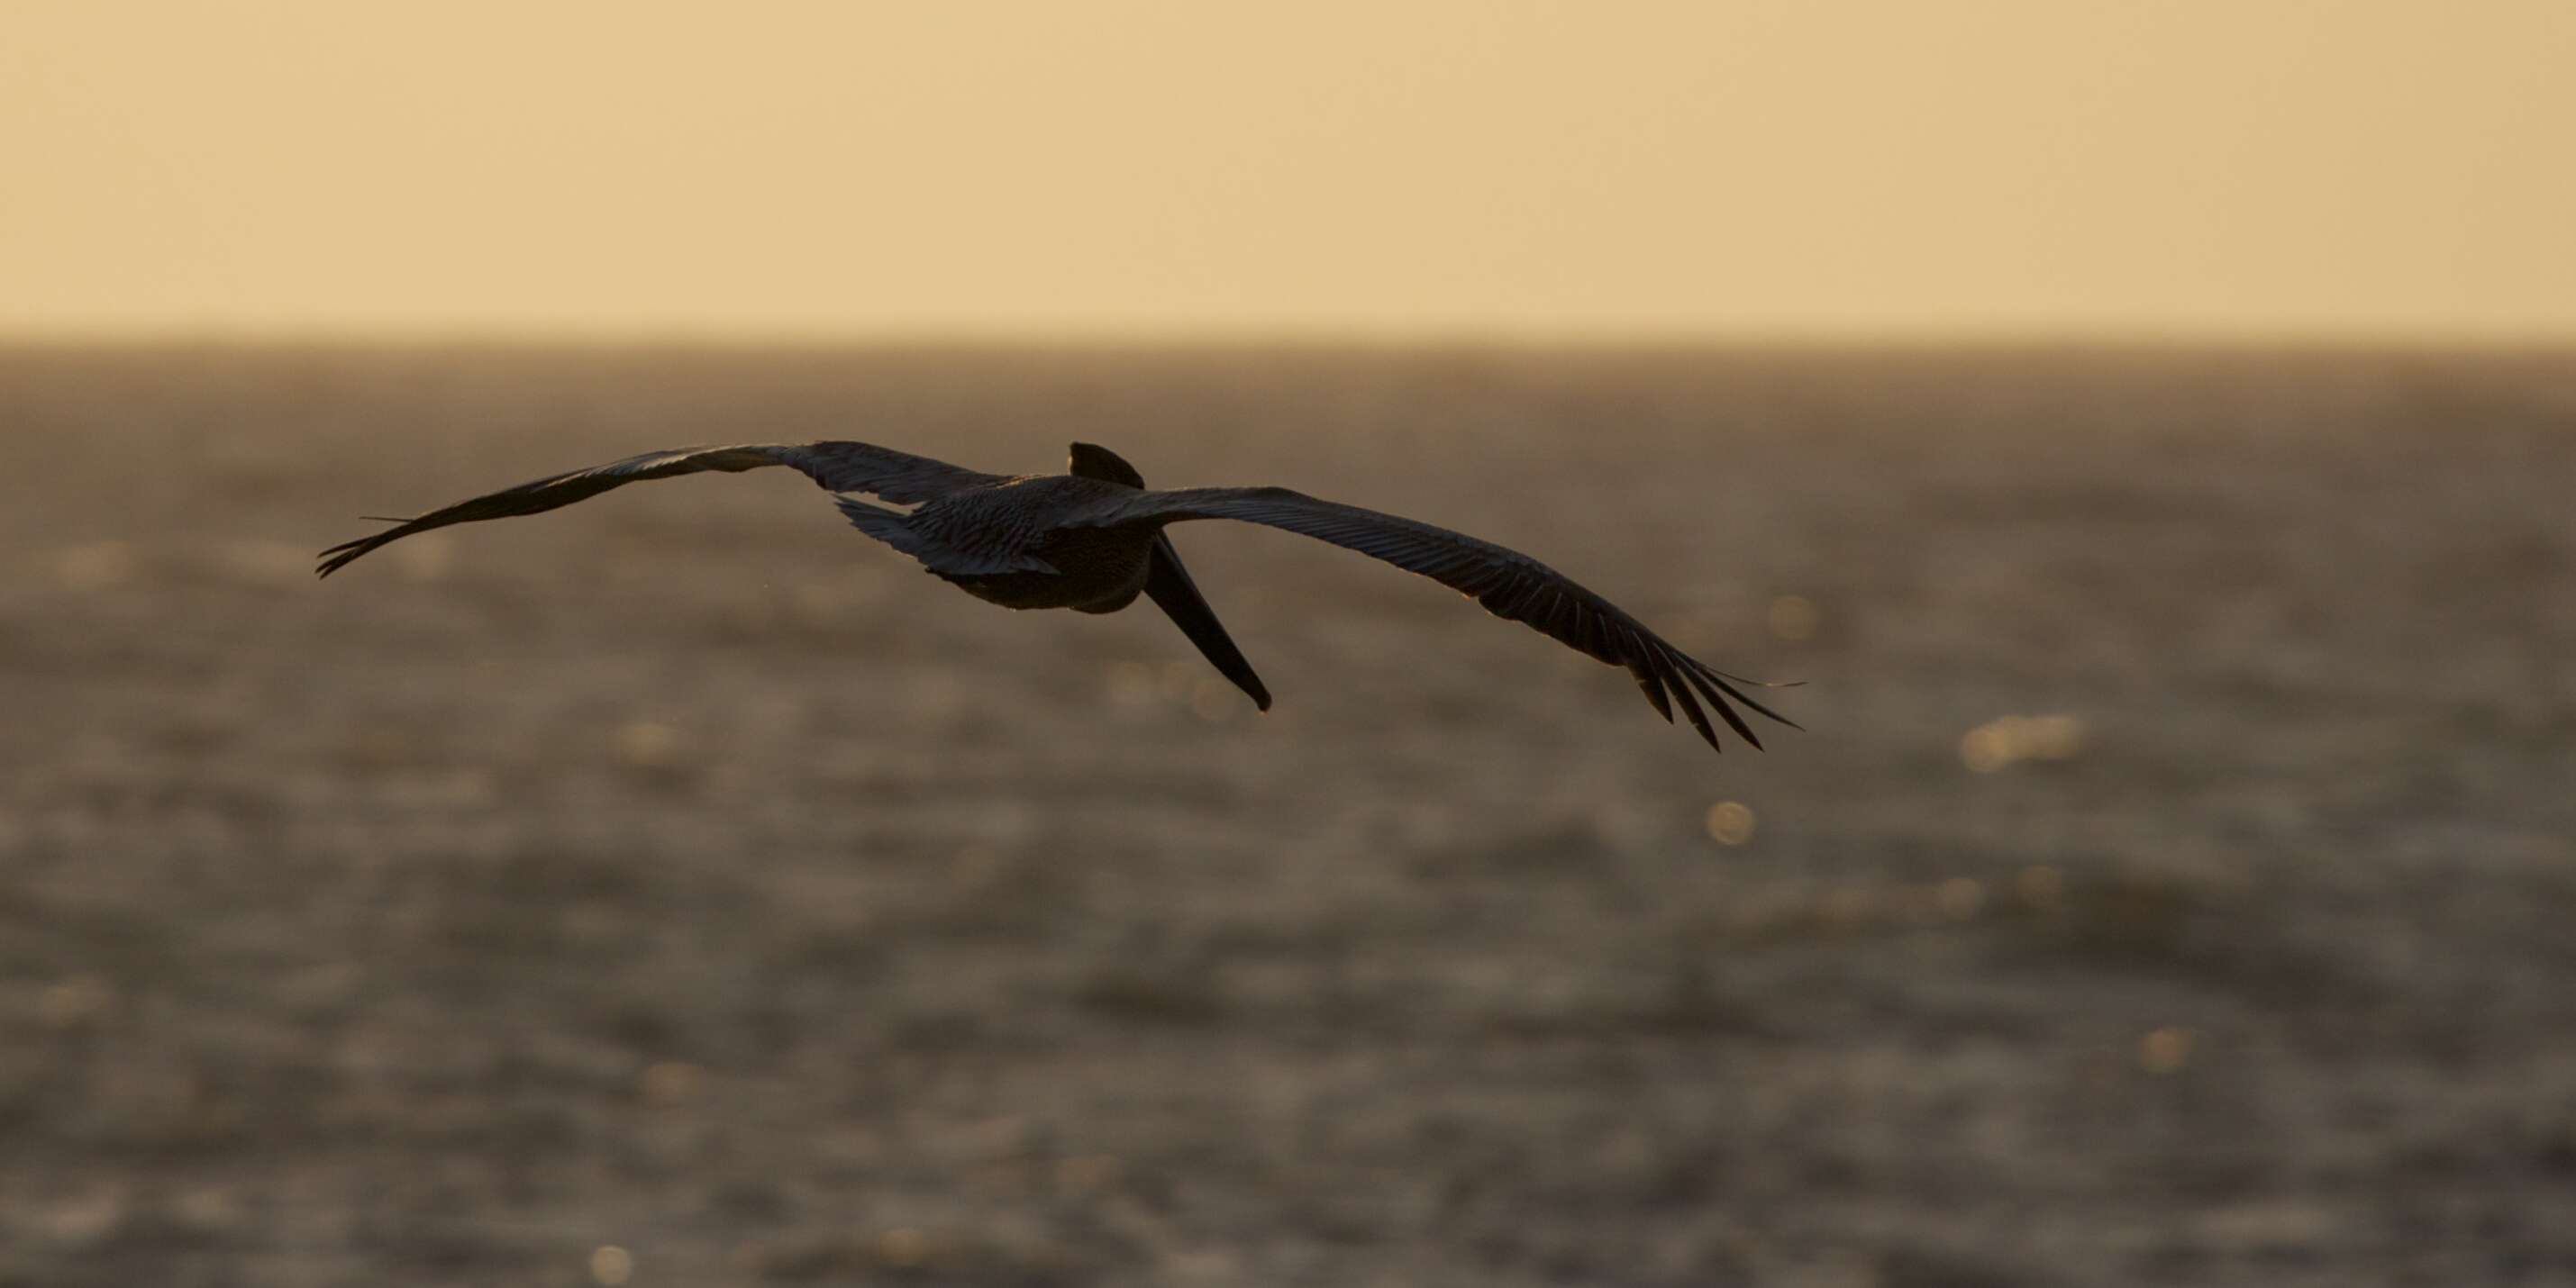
[1291, 337]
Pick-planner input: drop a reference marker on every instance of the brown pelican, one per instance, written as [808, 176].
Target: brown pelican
[1092, 539]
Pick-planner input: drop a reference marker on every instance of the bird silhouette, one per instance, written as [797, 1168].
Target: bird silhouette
[1092, 539]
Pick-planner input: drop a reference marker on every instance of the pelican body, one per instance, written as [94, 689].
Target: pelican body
[1092, 539]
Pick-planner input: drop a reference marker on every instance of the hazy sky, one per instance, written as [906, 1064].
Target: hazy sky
[1499, 168]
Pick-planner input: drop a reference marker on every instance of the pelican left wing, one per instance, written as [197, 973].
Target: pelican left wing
[1509, 584]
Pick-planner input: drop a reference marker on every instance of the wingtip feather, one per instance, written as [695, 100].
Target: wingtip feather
[1719, 678]
[1653, 685]
[1698, 719]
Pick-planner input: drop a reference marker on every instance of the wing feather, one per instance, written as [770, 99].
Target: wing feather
[899, 477]
[1509, 584]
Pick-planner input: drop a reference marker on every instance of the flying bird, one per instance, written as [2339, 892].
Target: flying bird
[1092, 539]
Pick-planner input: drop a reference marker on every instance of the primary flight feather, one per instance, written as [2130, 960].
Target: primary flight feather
[1092, 539]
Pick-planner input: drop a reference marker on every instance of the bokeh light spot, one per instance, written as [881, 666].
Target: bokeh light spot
[1213, 701]
[611, 1265]
[1085, 1173]
[95, 566]
[647, 744]
[2008, 740]
[1131, 684]
[2166, 1050]
[903, 1246]
[2040, 886]
[670, 1082]
[426, 557]
[1730, 822]
[1794, 618]
[74, 1002]
[1959, 898]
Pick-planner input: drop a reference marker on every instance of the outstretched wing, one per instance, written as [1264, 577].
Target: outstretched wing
[839, 467]
[1508, 583]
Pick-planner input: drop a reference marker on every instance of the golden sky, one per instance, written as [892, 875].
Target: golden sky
[1444, 167]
